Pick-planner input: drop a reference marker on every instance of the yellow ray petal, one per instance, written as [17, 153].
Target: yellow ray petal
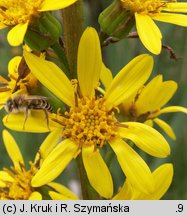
[149, 122]
[97, 172]
[180, 7]
[129, 79]
[163, 177]
[55, 163]
[178, 19]
[146, 98]
[12, 149]
[63, 192]
[166, 127]
[4, 176]
[2, 184]
[16, 35]
[36, 122]
[146, 138]
[171, 109]
[58, 196]
[48, 145]
[106, 76]
[125, 193]
[168, 89]
[48, 5]
[149, 33]
[134, 167]
[35, 196]
[89, 62]
[51, 76]
[155, 95]
[13, 65]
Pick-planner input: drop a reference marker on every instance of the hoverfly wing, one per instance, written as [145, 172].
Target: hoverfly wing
[35, 97]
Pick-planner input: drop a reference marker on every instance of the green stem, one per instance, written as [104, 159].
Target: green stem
[109, 156]
[72, 18]
[73, 29]
[83, 178]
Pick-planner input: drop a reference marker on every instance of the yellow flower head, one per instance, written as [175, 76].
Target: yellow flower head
[148, 10]
[16, 183]
[20, 80]
[18, 14]
[146, 105]
[91, 123]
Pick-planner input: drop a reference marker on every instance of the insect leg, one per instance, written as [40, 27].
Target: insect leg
[26, 117]
[7, 117]
[47, 118]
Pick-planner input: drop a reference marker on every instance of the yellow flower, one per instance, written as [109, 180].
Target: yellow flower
[146, 105]
[16, 83]
[163, 177]
[16, 183]
[90, 122]
[148, 10]
[18, 14]
[22, 82]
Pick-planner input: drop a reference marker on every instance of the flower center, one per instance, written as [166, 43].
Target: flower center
[13, 12]
[20, 187]
[25, 84]
[144, 6]
[90, 123]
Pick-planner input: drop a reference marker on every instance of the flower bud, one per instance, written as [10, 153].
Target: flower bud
[116, 21]
[43, 33]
